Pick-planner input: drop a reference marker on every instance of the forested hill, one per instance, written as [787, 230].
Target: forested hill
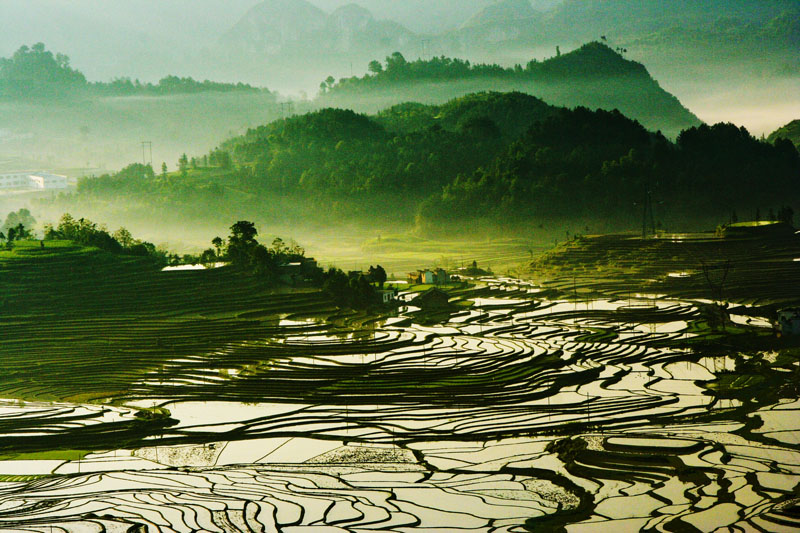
[789, 131]
[599, 165]
[329, 166]
[507, 159]
[34, 72]
[594, 76]
[412, 148]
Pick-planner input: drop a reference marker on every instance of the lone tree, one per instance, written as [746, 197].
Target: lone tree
[217, 242]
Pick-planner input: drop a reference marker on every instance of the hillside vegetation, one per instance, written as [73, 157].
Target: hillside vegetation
[790, 131]
[601, 165]
[503, 158]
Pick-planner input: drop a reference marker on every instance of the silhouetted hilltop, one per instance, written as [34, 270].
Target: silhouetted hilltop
[593, 59]
[594, 75]
[511, 114]
[790, 131]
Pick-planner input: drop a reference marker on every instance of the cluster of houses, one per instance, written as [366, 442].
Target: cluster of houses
[26, 180]
[438, 276]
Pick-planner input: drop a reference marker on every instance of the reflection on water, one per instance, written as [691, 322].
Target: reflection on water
[518, 413]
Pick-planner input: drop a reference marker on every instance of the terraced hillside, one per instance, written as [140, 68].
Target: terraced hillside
[80, 324]
[750, 265]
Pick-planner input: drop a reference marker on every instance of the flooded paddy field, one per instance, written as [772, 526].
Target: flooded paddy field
[519, 412]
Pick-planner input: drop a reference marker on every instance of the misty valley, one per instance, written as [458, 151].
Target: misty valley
[480, 266]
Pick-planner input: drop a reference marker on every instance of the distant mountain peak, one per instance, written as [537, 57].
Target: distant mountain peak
[351, 16]
[352, 9]
[267, 26]
[502, 11]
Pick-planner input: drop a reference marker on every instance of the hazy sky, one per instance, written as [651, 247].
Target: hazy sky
[149, 39]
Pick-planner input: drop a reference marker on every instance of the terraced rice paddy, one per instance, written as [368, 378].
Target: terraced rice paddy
[751, 266]
[521, 412]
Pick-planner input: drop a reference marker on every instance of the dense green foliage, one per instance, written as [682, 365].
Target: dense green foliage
[33, 72]
[168, 85]
[598, 164]
[244, 252]
[355, 292]
[15, 218]
[410, 148]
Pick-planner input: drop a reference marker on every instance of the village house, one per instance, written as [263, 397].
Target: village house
[789, 321]
[297, 271]
[388, 295]
[433, 298]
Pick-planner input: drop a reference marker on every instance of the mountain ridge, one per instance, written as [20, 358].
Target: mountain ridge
[594, 75]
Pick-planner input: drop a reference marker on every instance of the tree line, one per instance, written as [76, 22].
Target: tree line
[33, 71]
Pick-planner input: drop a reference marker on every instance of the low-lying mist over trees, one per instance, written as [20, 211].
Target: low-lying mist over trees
[499, 161]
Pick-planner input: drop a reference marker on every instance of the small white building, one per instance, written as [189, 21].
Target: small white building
[45, 180]
[32, 180]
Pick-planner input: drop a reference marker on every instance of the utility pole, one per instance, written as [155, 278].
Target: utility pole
[146, 145]
[647, 213]
[425, 47]
[286, 108]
